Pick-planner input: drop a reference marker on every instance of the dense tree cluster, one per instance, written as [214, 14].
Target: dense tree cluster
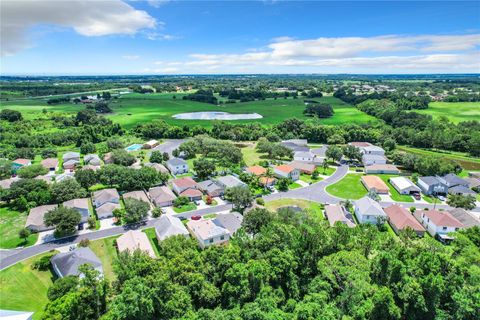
[205, 96]
[223, 153]
[321, 110]
[294, 267]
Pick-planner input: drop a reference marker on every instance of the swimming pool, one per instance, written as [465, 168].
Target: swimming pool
[214, 115]
[134, 147]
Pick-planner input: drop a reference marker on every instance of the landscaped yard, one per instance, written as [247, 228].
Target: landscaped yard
[107, 252]
[349, 187]
[11, 222]
[188, 207]
[314, 208]
[24, 289]
[393, 192]
[327, 172]
[308, 178]
[294, 185]
[152, 237]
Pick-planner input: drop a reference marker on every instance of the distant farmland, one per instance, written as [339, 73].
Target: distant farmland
[134, 108]
[455, 111]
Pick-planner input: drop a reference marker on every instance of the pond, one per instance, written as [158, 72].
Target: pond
[214, 115]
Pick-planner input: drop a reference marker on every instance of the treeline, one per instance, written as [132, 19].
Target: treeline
[293, 266]
[45, 88]
[205, 96]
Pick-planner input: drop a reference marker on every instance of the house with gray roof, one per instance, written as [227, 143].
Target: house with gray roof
[177, 166]
[294, 147]
[372, 150]
[432, 185]
[16, 315]
[67, 156]
[452, 180]
[138, 195]
[211, 188]
[231, 221]
[92, 159]
[207, 232]
[461, 190]
[319, 152]
[371, 159]
[229, 182]
[368, 210]
[169, 226]
[35, 219]
[106, 210]
[81, 205]
[162, 196]
[101, 197]
[466, 218]
[68, 263]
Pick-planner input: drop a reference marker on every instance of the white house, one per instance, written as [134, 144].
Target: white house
[404, 185]
[286, 171]
[368, 210]
[303, 156]
[372, 150]
[371, 159]
[177, 166]
[207, 232]
[438, 223]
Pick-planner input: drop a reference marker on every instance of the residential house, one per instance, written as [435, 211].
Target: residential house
[368, 210]
[207, 232]
[400, 219]
[381, 169]
[47, 178]
[181, 184]
[150, 144]
[266, 181]
[374, 183]
[286, 171]
[19, 163]
[360, 144]
[67, 156]
[108, 158]
[92, 159]
[6, 183]
[320, 152]
[295, 147]
[231, 221]
[35, 218]
[68, 263]
[15, 315]
[371, 159]
[474, 174]
[372, 150]
[432, 186]
[298, 142]
[337, 213]
[70, 164]
[211, 188]
[81, 205]
[438, 223]
[162, 196]
[303, 167]
[138, 195]
[404, 185]
[105, 202]
[305, 156]
[473, 183]
[177, 166]
[157, 166]
[51, 164]
[229, 181]
[452, 180]
[169, 226]
[466, 218]
[106, 210]
[462, 190]
[256, 170]
[133, 240]
[192, 194]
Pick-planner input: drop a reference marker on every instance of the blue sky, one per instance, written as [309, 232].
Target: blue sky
[181, 37]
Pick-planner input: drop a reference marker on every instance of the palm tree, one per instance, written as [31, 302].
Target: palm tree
[325, 165]
[269, 174]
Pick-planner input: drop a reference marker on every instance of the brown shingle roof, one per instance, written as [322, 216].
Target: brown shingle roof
[443, 219]
[402, 218]
[374, 182]
[185, 182]
[256, 170]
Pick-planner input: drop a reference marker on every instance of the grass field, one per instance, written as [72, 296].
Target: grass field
[463, 159]
[107, 252]
[251, 156]
[188, 207]
[10, 223]
[314, 208]
[134, 108]
[152, 237]
[349, 187]
[454, 111]
[24, 289]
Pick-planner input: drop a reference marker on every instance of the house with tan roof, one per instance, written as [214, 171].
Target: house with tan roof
[211, 188]
[133, 240]
[207, 232]
[162, 196]
[438, 223]
[382, 169]
[81, 205]
[256, 170]
[138, 195]
[105, 202]
[286, 171]
[51, 164]
[181, 184]
[157, 166]
[303, 167]
[192, 194]
[400, 219]
[374, 183]
[35, 218]
[106, 210]
[337, 213]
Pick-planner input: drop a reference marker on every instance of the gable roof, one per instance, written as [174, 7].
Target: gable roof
[374, 182]
[360, 144]
[157, 166]
[70, 155]
[442, 219]
[369, 206]
[319, 151]
[465, 217]
[256, 170]
[302, 166]
[176, 162]
[231, 221]
[79, 203]
[91, 157]
[106, 195]
[285, 168]
[68, 263]
[138, 194]
[335, 212]
[402, 218]
[107, 208]
[206, 229]
[36, 215]
[453, 179]
[49, 163]
[369, 156]
[303, 154]
[185, 182]
[430, 180]
[22, 162]
[461, 189]
[403, 183]
[209, 186]
[168, 226]
[230, 181]
[191, 193]
[135, 240]
[161, 194]
[386, 167]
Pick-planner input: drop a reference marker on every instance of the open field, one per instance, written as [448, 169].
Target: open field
[107, 253]
[349, 187]
[313, 208]
[454, 111]
[10, 223]
[463, 159]
[134, 108]
[24, 289]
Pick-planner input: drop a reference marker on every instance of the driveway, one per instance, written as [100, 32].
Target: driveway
[169, 145]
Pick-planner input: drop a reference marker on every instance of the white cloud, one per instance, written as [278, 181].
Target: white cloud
[159, 36]
[131, 57]
[157, 3]
[88, 18]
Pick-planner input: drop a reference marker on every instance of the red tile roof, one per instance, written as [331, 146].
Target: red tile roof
[185, 182]
[443, 219]
[257, 170]
[402, 218]
[285, 168]
[22, 162]
[191, 193]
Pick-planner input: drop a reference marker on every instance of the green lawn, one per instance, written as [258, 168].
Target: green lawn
[393, 192]
[294, 185]
[152, 237]
[210, 216]
[251, 156]
[327, 172]
[24, 289]
[189, 207]
[454, 111]
[349, 187]
[314, 208]
[134, 108]
[107, 252]
[308, 178]
[11, 222]
[427, 198]
[466, 161]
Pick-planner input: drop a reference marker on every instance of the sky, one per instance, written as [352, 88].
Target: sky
[103, 37]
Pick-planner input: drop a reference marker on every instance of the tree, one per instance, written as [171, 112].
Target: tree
[10, 115]
[460, 201]
[24, 234]
[156, 157]
[181, 201]
[282, 184]
[325, 165]
[166, 156]
[389, 144]
[113, 144]
[87, 147]
[123, 158]
[102, 107]
[28, 193]
[335, 153]
[61, 287]
[67, 189]
[255, 219]
[319, 110]
[49, 153]
[135, 210]
[5, 169]
[32, 171]
[65, 220]
[336, 139]
[239, 196]
[86, 178]
[157, 212]
[204, 168]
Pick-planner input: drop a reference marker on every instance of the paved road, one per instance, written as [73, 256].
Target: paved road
[10, 257]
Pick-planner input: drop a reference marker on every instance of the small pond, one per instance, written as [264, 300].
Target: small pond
[215, 115]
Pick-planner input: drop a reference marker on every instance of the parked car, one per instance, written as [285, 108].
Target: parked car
[196, 217]
[441, 198]
[417, 196]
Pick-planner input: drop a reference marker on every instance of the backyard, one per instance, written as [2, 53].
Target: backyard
[314, 208]
[107, 252]
[393, 192]
[349, 187]
[11, 222]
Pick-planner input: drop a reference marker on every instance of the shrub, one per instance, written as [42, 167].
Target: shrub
[92, 223]
[260, 201]
[180, 201]
[156, 212]
[42, 264]
[84, 243]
